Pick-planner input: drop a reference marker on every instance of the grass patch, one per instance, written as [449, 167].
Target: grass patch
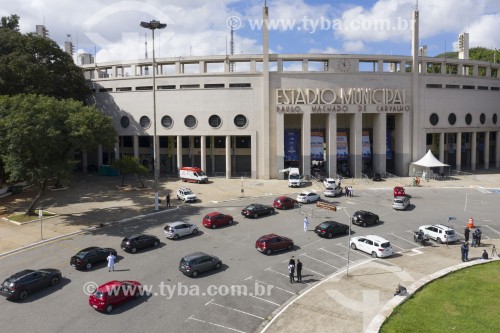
[21, 218]
[463, 301]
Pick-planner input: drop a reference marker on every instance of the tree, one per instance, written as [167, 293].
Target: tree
[10, 22]
[129, 165]
[39, 134]
[34, 64]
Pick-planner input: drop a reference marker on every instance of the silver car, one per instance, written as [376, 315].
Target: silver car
[198, 262]
[400, 203]
[179, 229]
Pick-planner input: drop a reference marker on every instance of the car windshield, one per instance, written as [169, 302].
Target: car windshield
[294, 177]
[250, 207]
[81, 254]
[398, 201]
[186, 192]
[323, 225]
[201, 173]
[98, 294]
[385, 245]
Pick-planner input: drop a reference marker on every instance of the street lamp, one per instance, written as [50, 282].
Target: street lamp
[153, 25]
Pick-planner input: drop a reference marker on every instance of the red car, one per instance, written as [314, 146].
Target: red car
[216, 219]
[399, 191]
[271, 243]
[113, 293]
[284, 202]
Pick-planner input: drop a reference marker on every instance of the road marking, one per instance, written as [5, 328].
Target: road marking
[412, 243]
[305, 255]
[415, 253]
[487, 226]
[273, 286]
[214, 324]
[355, 251]
[398, 246]
[314, 271]
[271, 270]
[481, 189]
[335, 254]
[262, 299]
[233, 309]
[318, 240]
[249, 278]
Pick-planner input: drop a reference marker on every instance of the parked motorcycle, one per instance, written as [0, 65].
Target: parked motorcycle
[420, 237]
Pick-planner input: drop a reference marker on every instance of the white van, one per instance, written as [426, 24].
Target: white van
[193, 174]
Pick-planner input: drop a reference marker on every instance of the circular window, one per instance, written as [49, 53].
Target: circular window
[468, 119]
[434, 119]
[452, 119]
[240, 121]
[190, 121]
[125, 121]
[482, 118]
[214, 121]
[495, 118]
[166, 121]
[145, 121]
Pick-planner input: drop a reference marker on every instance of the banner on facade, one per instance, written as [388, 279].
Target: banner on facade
[317, 146]
[388, 143]
[292, 138]
[342, 149]
[366, 148]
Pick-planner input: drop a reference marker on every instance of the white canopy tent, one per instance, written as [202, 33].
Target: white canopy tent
[424, 164]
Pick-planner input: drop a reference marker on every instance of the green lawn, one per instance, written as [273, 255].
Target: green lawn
[467, 300]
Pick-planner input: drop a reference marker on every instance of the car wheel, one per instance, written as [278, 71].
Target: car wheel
[364, 224]
[377, 221]
[109, 308]
[330, 235]
[178, 198]
[272, 212]
[23, 295]
[255, 216]
[156, 243]
[308, 201]
[289, 247]
[214, 226]
[218, 265]
[353, 246]
[230, 222]
[54, 281]
[195, 231]
[374, 254]
[347, 231]
[194, 274]
[439, 240]
[269, 251]
[137, 294]
[134, 250]
[176, 236]
[89, 265]
[183, 179]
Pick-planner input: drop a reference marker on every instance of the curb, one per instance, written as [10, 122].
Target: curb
[93, 228]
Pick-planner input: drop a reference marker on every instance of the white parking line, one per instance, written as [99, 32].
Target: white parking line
[487, 226]
[335, 254]
[314, 271]
[214, 324]
[305, 255]
[356, 251]
[275, 287]
[271, 270]
[233, 309]
[480, 189]
[262, 299]
[318, 240]
[412, 243]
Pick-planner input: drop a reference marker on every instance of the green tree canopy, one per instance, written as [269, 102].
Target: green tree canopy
[10, 22]
[129, 165]
[34, 64]
[39, 134]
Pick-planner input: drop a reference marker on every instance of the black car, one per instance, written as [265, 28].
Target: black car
[136, 242]
[363, 218]
[86, 258]
[331, 228]
[22, 284]
[256, 210]
[198, 262]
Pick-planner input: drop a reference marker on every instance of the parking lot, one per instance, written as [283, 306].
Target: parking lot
[250, 286]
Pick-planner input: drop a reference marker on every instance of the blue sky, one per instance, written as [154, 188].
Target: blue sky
[199, 27]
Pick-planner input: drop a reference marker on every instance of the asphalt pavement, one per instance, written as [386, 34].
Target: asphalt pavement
[353, 299]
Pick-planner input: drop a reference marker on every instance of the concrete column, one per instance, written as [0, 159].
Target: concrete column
[99, 155]
[228, 156]
[253, 152]
[380, 143]
[305, 65]
[84, 162]
[253, 66]
[458, 156]
[473, 151]
[203, 153]
[202, 67]
[280, 146]
[331, 148]
[179, 152]
[136, 146]
[441, 147]
[486, 150]
[402, 143]
[306, 143]
[355, 144]
[497, 150]
[380, 66]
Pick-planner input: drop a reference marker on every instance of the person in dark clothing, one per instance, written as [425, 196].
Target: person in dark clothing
[168, 199]
[299, 271]
[465, 251]
[484, 256]
[478, 237]
[291, 271]
[292, 261]
[474, 238]
[466, 233]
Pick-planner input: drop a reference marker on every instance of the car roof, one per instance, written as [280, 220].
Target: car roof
[442, 226]
[329, 179]
[88, 249]
[213, 214]
[283, 197]
[194, 255]
[173, 224]
[375, 238]
[331, 222]
[20, 274]
[184, 189]
[306, 192]
[400, 197]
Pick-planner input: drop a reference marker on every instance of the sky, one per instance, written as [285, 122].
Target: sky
[110, 29]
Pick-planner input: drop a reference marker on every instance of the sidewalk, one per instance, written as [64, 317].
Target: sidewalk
[355, 303]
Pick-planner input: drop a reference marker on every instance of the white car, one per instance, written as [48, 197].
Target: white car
[186, 195]
[307, 197]
[179, 229]
[333, 191]
[376, 246]
[400, 203]
[329, 182]
[440, 233]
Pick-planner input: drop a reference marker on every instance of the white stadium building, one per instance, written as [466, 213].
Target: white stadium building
[254, 115]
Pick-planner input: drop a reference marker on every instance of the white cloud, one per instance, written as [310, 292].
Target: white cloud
[327, 50]
[354, 46]
[484, 32]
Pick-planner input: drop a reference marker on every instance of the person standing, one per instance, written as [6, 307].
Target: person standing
[111, 262]
[292, 261]
[350, 191]
[306, 224]
[466, 233]
[474, 238]
[465, 251]
[291, 271]
[168, 199]
[478, 237]
[299, 270]
[484, 256]
[346, 191]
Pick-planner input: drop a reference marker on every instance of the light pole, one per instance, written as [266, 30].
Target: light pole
[153, 25]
